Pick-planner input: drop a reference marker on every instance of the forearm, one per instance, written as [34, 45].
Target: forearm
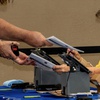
[94, 70]
[11, 32]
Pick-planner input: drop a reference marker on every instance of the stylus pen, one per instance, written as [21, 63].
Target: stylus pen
[36, 96]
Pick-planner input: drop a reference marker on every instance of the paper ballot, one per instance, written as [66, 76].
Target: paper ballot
[41, 62]
[44, 63]
[59, 42]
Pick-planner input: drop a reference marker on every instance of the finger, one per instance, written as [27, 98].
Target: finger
[4, 55]
[46, 43]
[20, 61]
[68, 51]
[29, 62]
[15, 42]
[58, 71]
[12, 56]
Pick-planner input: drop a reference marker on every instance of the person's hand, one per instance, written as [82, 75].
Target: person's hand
[61, 68]
[75, 54]
[22, 59]
[5, 49]
[6, 52]
[64, 67]
[36, 39]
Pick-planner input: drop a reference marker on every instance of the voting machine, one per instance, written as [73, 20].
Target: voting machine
[77, 80]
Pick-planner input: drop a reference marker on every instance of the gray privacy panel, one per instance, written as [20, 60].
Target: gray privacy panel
[45, 77]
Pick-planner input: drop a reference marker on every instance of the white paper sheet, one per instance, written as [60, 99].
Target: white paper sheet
[59, 42]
